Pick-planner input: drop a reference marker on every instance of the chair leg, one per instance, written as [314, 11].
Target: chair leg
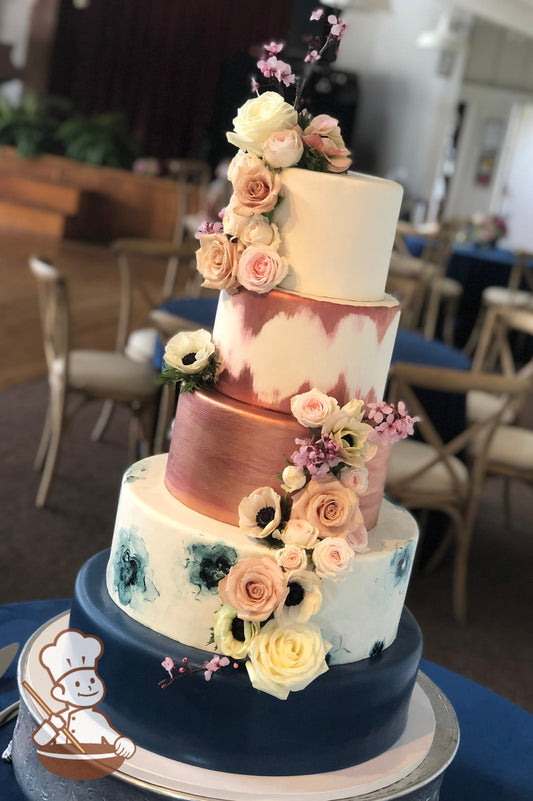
[57, 409]
[44, 442]
[507, 501]
[432, 313]
[440, 552]
[103, 420]
[448, 328]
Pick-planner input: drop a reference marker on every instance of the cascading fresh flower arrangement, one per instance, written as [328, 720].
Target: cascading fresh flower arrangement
[316, 528]
[271, 134]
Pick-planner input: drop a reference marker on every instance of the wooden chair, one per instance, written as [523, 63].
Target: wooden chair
[511, 451]
[509, 297]
[494, 352]
[77, 376]
[167, 325]
[409, 291]
[429, 475]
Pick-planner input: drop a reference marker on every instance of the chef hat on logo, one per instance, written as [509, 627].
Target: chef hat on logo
[70, 651]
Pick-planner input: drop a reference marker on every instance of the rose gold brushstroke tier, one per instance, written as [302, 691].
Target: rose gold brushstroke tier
[277, 345]
[223, 449]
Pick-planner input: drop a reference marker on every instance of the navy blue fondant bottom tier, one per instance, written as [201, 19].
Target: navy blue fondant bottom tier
[348, 715]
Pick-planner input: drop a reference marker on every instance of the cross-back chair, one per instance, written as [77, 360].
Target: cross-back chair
[430, 475]
[511, 452]
[78, 376]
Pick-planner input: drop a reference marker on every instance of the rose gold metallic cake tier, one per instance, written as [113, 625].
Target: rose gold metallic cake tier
[223, 449]
[278, 345]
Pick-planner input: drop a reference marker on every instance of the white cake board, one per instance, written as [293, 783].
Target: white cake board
[171, 778]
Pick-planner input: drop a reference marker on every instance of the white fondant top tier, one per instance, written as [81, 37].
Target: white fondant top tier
[337, 233]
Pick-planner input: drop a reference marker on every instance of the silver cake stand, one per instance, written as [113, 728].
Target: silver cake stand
[422, 783]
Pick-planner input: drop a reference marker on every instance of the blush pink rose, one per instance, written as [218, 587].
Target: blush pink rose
[324, 135]
[255, 187]
[217, 261]
[292, 557]
[284, 148]
[358, 539]
[332, 557]
[312, 408]
[261, 269]
[329, 506]
[254, 587]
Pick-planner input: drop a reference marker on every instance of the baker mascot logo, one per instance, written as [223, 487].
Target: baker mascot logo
[78, 741]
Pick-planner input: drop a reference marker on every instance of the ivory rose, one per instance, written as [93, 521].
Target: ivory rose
[312, 408]
[293, 478]
[258, 118]
[261, 269]
[233, 635]
[260, 513]
[284, 148]
[329, 506]
[189, 351]
[332, 557]
[217, 261]
[255, 187]
[292, 557]
[300, 532]
[254, 587]
[258, 231]
[303, 600]
[285, 659]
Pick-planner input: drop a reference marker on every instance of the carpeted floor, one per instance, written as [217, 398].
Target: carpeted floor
[42, 550]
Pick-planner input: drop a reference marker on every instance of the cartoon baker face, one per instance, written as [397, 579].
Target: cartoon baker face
[82, 688]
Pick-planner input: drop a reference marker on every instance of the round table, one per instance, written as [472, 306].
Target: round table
[494, 761]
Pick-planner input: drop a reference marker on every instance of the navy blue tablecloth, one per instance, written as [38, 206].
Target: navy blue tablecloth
[495, 757]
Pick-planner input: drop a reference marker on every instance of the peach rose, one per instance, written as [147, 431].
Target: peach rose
[254, 587]
[329, 506]
[217, 261]
[312, 408]
[255, 187]
[284, 148]
[332, 557]
[261, 269]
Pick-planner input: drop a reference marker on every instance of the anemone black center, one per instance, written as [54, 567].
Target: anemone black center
[295, 595]
[189, 358]
[237, 629]
[348, 438]
[265, 516]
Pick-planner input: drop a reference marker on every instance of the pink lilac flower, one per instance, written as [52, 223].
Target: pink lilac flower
[390, 422]
[255, 85]
[168, 665]
[209, 228]
[280, 70]
[273, 48]
[318, 457]
[312, 56]
[338, 27]
[214, 664]
[316, 15]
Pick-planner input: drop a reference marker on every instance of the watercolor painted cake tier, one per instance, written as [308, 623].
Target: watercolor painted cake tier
[349, 714]
[167, 561]
[279, 344]
[337, 233]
